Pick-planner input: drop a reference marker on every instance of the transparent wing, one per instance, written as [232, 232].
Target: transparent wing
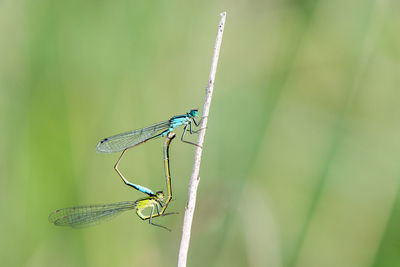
[84, 216]
[126, 140]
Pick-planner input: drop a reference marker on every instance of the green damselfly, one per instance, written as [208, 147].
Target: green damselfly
[83, 216]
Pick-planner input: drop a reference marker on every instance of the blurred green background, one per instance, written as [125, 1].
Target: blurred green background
[300, 163]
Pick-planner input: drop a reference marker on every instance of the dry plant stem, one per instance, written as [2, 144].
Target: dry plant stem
[195, 179]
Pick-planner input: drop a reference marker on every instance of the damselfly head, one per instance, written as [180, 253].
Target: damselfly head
[160, 195]
[194, 113]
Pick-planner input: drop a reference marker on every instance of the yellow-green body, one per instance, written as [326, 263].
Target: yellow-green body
[153, 202]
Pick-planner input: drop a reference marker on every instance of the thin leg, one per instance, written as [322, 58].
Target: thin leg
[158, 211]
[198, 124]
[143, 217]
[200, 121]
[183, 135]
[152, 215]
[190, 127]
[151, 222]
[195, 123]
[168, 213]
[197, 131]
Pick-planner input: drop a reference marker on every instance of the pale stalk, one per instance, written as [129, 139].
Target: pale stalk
[195, 179]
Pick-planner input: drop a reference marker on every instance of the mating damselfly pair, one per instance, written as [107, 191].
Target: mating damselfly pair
[82, 216]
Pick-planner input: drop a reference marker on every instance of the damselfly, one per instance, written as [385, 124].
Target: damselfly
[123, 142]
[82, 216]
[133, 138]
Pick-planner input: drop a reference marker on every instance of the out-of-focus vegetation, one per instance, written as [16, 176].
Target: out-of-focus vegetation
[301, 158]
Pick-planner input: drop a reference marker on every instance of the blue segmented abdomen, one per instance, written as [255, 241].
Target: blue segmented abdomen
[143, 189]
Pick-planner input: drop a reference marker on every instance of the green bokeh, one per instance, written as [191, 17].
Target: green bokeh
[300, 163]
